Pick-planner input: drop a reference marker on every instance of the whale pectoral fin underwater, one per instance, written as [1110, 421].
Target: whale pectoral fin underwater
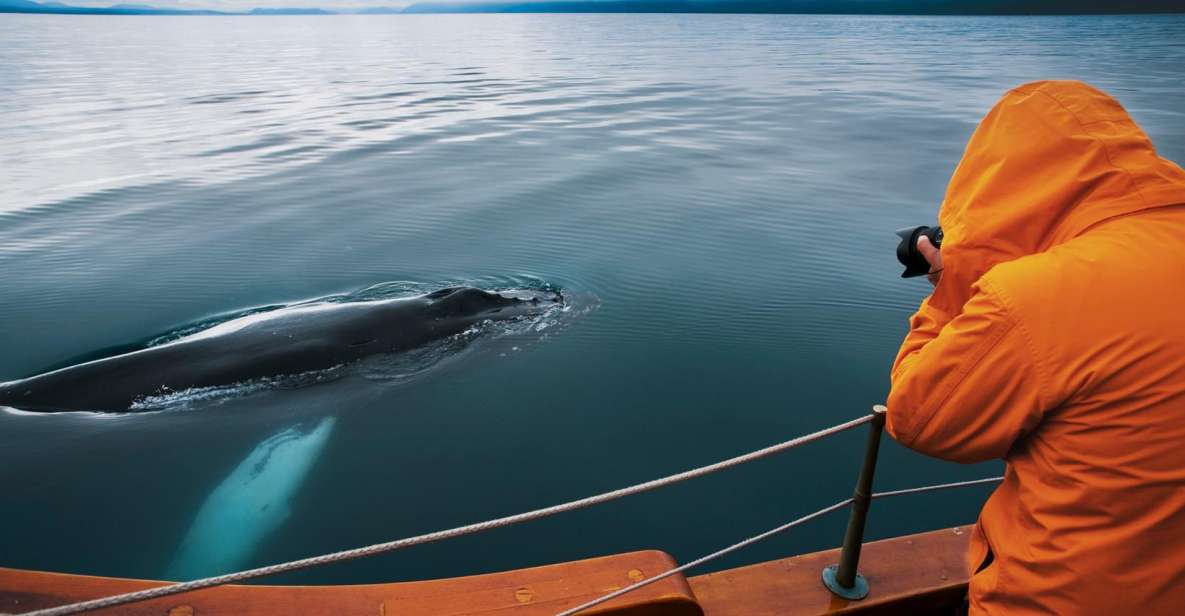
[250, 504]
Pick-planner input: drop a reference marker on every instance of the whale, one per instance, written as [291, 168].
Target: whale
[250, 504]
[292, 340]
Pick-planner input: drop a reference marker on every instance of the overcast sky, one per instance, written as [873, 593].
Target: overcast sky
[245, 5]
[345, 5]
[332, 5]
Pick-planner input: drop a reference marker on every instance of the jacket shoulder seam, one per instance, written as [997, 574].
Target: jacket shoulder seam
[964, 369]
[1010, 312]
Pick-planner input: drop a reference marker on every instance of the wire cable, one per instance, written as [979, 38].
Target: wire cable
[379, 548]
[767, 534]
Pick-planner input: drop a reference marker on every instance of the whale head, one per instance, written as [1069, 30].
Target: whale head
[471, 304]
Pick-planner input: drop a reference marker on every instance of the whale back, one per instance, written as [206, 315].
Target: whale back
[473, 305]
[286, 341]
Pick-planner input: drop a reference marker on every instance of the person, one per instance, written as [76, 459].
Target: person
[1054, 339]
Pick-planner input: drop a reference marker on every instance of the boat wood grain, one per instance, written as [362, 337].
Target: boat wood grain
[538, 591]
[914, 574]
[917, 574]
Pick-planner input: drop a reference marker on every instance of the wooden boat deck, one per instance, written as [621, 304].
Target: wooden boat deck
[915, 574]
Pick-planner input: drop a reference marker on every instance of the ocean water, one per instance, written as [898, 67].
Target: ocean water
[717, 195]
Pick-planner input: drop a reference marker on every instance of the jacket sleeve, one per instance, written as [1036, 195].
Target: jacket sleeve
[965, 388]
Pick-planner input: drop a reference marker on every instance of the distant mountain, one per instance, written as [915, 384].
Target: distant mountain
[27, 6]
[562, 6]
[18, 4]
[858, 7]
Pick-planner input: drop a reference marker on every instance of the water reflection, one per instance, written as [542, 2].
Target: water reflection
[725, 186]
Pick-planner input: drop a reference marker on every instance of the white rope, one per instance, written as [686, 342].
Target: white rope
[767, 534]
[378, 548]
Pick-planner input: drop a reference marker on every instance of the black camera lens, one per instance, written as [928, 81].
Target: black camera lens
[907, 251]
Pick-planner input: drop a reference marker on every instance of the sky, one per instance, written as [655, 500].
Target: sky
[349, 5]
[245, 5]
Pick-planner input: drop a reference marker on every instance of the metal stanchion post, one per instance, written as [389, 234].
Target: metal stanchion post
[843, 579]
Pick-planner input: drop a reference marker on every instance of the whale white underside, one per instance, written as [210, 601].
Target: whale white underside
[250, 504]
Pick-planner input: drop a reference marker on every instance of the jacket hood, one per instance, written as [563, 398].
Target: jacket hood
[1049, 161]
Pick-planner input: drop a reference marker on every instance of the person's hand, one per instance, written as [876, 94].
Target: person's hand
[933, 257]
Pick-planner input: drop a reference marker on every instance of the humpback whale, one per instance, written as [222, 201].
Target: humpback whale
[250, 504]
[286, 341]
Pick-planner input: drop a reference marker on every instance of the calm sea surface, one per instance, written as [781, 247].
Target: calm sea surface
[716, 194]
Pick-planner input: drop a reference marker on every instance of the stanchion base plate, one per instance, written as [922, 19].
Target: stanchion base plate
[858, 591]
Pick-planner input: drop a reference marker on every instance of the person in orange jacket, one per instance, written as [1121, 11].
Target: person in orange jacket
[1054, 339]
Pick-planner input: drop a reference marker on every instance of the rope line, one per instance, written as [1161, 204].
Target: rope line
[378, 548]
[767, 534]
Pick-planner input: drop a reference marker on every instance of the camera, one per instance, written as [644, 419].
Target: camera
[907, 251]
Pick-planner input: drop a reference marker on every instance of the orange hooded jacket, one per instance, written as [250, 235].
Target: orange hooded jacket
[1055, 340]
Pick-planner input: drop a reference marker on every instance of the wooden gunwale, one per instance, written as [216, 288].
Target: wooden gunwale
[913, 574]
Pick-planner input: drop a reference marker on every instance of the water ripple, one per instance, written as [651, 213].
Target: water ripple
[725, 187]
